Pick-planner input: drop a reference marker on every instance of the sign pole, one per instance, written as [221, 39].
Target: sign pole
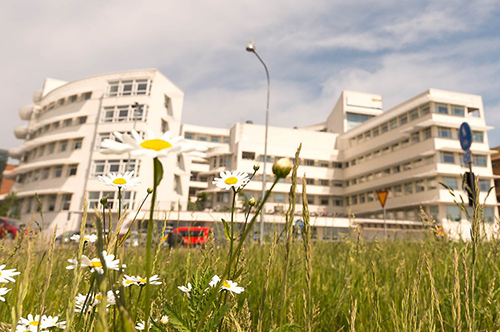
[385, 224]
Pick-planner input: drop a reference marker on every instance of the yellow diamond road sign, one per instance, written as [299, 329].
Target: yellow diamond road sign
[382, 197]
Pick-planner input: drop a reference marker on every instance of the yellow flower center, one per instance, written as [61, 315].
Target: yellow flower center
[34, 323]
[142, 280]
[119, 181]
[231, 180]
[226, 284]
[0, 273]
[96, 263]
[129, 282]
[156, 144]
[98, 297]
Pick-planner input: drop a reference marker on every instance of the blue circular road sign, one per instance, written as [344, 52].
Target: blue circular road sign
[465, 136]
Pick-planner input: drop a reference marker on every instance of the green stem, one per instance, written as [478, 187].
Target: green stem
[231, 240]
[201, 322]
[137, 304]
[147, 307]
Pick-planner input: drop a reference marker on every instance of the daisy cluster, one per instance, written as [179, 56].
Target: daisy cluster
[39, 324]
[227, 285]
[6, 276]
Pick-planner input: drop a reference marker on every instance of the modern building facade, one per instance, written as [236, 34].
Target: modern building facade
[359, 150]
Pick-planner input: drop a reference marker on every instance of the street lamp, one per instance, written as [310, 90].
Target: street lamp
[251, 48]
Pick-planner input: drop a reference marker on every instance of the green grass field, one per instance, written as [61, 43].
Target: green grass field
[356, 286]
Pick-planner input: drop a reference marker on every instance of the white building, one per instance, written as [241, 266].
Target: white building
[357, 151]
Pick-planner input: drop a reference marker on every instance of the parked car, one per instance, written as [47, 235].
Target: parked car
[188, 236]
[8, 228]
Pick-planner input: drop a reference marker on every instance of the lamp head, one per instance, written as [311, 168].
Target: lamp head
[250, 46]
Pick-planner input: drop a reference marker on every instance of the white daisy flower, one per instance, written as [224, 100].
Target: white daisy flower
[49, 321]
[86, 238]
[164, 319]
[141, 326]
[140, 281]
[94, 302]
[28, 328]
[95, 263]
[7, 275]
[230, 180]
[34, 323]
[215, 280]
[153, 146]
[120, 180]
[185, 289]
[232, 287]
[3, 291]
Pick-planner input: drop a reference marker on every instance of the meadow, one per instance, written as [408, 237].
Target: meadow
[289, 283]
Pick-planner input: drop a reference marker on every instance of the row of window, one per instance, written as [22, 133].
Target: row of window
[452, 133]
[132, 87]
[102, 167]
[51, 148]
[403, 167]
[206, 137]
[45, 173]
[122, 113]
[66, 101]
[109, 135]
[94, 199]
[450, 158]
[50, 203]
[54, 126]
[410, 116]
[247, 155]
[412, 187]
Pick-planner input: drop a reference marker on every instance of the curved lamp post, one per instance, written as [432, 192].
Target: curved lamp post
[251, 48]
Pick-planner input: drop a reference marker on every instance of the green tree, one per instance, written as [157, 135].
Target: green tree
[10, 206]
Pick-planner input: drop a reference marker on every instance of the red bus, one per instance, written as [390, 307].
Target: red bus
[191, 236]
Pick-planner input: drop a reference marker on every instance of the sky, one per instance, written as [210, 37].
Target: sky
[313, 49]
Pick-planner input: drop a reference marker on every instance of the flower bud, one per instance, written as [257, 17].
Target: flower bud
[104, 200]
[150, 190]
[256, 167]
[164, 320]
[282, 167]
[251, 201]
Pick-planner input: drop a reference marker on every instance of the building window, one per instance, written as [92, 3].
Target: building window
[188, 135]
[427, 133]
[55, 125]
[453, 213]
[450, 182]
[168, 105]
[473, 112]
[409, 188]
[121, 113]
[72, 169]
[29, 204]
[424, 110]
[129, 87]
[479, 160]
[309, 162]
[215, 139]
[73, 98]
[413, 114]
[398, 190]
[66, 202]
[279, 198]
[101, 167]
[384, 128]
[324, 182]
[355, 119]
[309, 181]
[444, 132]
[67, 122]
[60, 102]
[478, 136]
[86, 95]
[63, 146]
[484, 185]
[403, 119]
[419, 186]
[489, 214]
[202, 138]
[415, 137]
[441, 109]
[164, 126]
[77, 143]
[248, 155]
[51, 205]
[457, 110]
[58, 171]
[82, 120]
[45, 173]
[375, 132]
[447, 157]
[393, 124]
